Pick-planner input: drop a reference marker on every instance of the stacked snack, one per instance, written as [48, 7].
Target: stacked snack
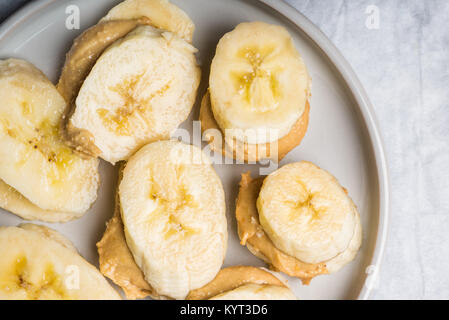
[259, 94]
[130, 80]
[299, 220]
[169, 233]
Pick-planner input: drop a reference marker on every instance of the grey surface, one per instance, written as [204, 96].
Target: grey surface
[404, 67]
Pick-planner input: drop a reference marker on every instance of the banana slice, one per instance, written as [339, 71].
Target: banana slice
[161, 13]
[259, 83]
[40, 264]
[307, 214]
[173, 211]
[34, 161]
[253, 236]
[140, 89]
[85, 51]
[244, 283]
[256, 237]
[233, 148]
[49, 234]
[89, 46]
[12, 201]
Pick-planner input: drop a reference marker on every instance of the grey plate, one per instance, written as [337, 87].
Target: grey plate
[343, 136]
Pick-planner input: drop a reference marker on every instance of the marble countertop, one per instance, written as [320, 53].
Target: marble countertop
[400, 51]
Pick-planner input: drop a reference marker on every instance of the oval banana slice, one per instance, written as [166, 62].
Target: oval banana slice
[259, 83]
[139, 90]
[307, 214]
[173, 211]
[40, 264]
[161, 13]
[34, 160]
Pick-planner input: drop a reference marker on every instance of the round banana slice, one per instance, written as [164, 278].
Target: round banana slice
[40, 264]
[307, 214]
[173, 211]
[139, 90]
[259, 83]
[161, 13]
[253, 236]
[244, 283]
[34, 160]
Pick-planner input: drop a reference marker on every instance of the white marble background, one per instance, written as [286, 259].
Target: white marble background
[404, 66]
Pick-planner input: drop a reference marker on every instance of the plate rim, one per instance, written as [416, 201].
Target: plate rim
[340, 63]
[367, 109]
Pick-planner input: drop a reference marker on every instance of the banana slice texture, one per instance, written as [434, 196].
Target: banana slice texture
[139, 90]
[161, 13]
[233, 148]
[259, 83]
[253, 236]
[116, 260]
[173, 211]
[85, 51]
[38, 263]
[39, 173]
[308, 215]
[244, 283]
[120, 20]
[12, 201]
